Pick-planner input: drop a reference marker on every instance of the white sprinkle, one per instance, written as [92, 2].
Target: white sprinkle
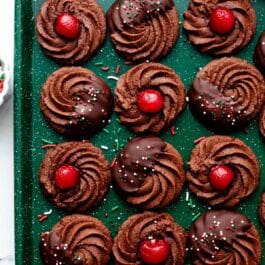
[187, 196]
[48, 212]
[104, 147]
[112, 77]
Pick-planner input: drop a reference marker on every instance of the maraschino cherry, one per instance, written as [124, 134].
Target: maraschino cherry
[154, 251]
[150, 100]
[221, 177]
[67, 177]
[67, 26]
[222, 20]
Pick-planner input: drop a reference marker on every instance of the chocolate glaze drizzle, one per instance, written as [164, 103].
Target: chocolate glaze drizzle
[136, 161]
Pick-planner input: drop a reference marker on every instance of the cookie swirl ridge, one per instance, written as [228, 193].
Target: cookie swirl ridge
[149, 172]
[76, 102]
[149, 75]
[76, 239]
[200, 34]
[94, 171]
[227, 94]
[223, 150]
[224, 237]
[143, 30]
[144, 226]
[92, 34]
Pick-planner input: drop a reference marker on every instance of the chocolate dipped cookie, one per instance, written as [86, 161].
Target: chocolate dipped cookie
[149, 172]
[75, 176]
[76, 102]
[150, 238]
[149, 97]
[227, 94]
[224, 237]
[262, 209]
[262, 122]
[70, 31]
[259, 54]
[143, 30]
[75, 240]
[220, 27]
[222, 171]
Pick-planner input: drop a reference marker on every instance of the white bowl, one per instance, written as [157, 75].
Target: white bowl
[6, 91]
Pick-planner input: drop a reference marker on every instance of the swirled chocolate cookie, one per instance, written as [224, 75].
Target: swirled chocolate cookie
[223, 171]
[149, 97]
[262, 209]
[227, 93]
[220, 27]
[150, 238]
[262, 122]
[76, 239]
[76, 102]
[70, 31]
[143, 30]
[149, 172]
[224, 237]
[259, 54]
[75, 176]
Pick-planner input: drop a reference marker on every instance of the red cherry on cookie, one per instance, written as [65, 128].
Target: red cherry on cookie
[154, 251]
[221, 176]
[222, 20]
[150, 100]
[67, 26]
[66, 177]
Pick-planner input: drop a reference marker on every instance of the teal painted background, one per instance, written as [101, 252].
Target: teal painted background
[32, 68]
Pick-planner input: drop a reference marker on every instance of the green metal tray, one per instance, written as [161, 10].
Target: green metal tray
[32, 68]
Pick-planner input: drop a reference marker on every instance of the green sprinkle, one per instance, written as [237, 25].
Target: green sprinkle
[118, 120]
[104, 147]
[195, 217]
[119, 130]
[113, 209]
[46, 141]
[2, 76]
[98, 63]
[106, 130]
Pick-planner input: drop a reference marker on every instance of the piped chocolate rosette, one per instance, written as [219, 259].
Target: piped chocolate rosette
[224, 237]
[149, 172]
[76, 102]
[220, 27]
[150, 238]
[227, 94]
[75, 176]
[143, 30]
[222, 171]
[259, 54]
[262, 122]
[70, 31]
[149, 97]
[76, 239]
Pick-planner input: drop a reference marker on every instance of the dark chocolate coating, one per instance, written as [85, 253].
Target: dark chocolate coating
[262, 209]
[128, 13]
[76, 102]
[224, 237]
[259, 53]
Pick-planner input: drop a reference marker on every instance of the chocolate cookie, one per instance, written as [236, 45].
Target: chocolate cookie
[76, 239]
[226, 94]
[76, 102]
[150, 229]
[224, 237]
[262, 209]
[143, 30]
[70, 31]
[149, 172]
[223, 171]
[262, 122]
[259, 54]
[149, 97]
[75, 176]
[220, 27]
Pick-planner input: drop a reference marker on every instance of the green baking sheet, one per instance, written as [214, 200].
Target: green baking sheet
[32, 68]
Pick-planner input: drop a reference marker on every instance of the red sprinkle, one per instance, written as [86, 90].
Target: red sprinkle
[117, 70]
[105, 68]
[42, 217]
[1, 85]
[127, 63]
[199, 140]
[113, 162]
[172, 130]
[46, 146]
